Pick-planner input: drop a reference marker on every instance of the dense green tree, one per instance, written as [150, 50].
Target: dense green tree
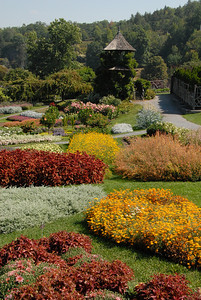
[94, 50]
[68, 84]
[174, 59]
[139, 40]
[156, 68]
[51, 54]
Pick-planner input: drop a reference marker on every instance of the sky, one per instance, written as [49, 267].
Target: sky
[19, 12]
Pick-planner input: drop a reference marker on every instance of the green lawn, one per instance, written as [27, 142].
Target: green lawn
[129, 118]
[195, 118]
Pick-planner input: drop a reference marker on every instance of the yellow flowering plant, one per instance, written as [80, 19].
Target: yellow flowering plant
[103, 146]
[153, 219]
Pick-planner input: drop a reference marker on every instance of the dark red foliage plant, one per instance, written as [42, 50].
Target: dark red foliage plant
[163, 286]
[24, 247]
[61, 242]
[32, 167]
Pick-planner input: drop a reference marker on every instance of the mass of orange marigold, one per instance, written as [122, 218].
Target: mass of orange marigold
[154, 219]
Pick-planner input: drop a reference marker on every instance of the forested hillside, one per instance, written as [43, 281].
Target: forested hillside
[172, 33]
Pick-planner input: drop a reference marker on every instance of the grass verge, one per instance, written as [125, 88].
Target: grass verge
[194, 118]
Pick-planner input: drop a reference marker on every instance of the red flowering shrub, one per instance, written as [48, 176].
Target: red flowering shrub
[61, 242]
[25, 168]
[164, 286]
[24, 247]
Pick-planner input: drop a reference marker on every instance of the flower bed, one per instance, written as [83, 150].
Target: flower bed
[36, 122]
[57, 280]
[103, 146]
[104, 109]
[28, 138]
[154, 219]
[33, 206]
[19, 118]
[25, 168]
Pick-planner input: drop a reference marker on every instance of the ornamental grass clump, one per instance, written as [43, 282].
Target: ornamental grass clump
[103, 146]
[159, 158]
[153, 219]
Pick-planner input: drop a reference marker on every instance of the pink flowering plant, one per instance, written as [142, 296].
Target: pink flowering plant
[20, 272]
[106, 110]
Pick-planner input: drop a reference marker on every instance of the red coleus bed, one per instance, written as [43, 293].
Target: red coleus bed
[64, 282]
[25, 168]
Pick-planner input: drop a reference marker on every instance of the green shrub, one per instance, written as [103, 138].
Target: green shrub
[97, 120]
[149, 94]
[110, 100]
[167, 128]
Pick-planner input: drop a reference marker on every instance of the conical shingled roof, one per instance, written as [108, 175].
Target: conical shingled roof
[119, 43]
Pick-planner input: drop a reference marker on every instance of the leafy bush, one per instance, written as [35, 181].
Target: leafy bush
[34, 206]
[141, 86]
[97, 120]
[121, 128]
[147, 117]
[153, 219]
[110, 100]
[3, 97]
[50, 116]
[10, 109]
[103, 146]
[164, 286]
[125, 107]
[167, 128]
[25, 168]
[159, 158]
[150, 94]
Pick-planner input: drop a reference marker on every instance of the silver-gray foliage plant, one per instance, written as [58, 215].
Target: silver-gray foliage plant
[147, 117]
[32, 114]
[121, 128]
[10, 109]
[21, 208]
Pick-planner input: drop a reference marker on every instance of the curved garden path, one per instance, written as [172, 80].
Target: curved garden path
[171, 110]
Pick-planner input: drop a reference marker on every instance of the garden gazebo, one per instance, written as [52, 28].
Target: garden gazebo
[115, 75]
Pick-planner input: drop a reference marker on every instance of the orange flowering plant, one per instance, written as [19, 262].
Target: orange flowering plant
[154, 219]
